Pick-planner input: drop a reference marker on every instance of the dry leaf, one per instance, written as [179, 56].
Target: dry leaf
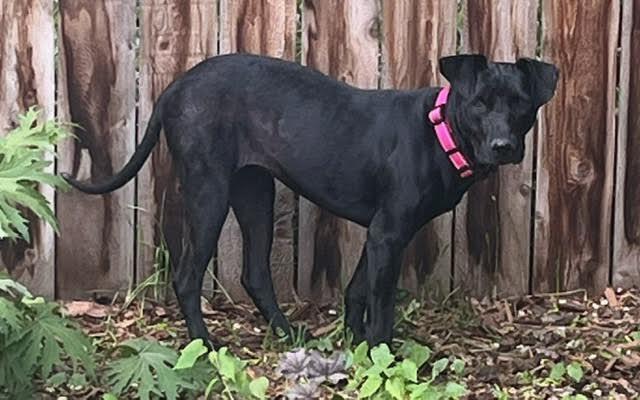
[89, 308]
[611, 297]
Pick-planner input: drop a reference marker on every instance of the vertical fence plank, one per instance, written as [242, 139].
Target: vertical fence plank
[27, 79]
[338, 39]
[626, 236]
[415, 35]
[269, 28]
[176, 35]
[575, 167]
[95, 91]
[492, 233]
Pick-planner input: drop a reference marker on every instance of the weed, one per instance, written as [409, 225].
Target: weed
[34, 340]
[380, 373]
[22, 168]
[158, 282]
[147, 367]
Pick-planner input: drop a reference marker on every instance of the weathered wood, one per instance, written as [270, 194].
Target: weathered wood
[27, 79]
[576, 147]
[176, 35]
[415, 35]
[95, 78]
[269, 28]
[339, 39]
[492, 227]
[626, 236]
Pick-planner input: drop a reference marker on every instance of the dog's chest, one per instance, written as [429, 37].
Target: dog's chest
[439, 201]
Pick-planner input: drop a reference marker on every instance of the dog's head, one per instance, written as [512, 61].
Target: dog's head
[495, 104]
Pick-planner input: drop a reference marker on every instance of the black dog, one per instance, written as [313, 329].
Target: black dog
[235, 122]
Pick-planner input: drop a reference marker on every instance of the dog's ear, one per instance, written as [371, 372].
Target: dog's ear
[542, 77]
[462, 71]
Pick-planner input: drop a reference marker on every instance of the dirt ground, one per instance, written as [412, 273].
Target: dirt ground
[509, 346]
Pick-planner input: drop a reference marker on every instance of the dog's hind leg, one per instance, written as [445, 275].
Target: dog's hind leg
[206, 207]
[252, 198]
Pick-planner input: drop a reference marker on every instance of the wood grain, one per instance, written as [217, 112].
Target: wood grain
[576, 151]
[176, 35]
[415, 35]
[269, 28]
[95, 77]
[339, 39]
[626, 236]
[27, 79]
[492, 232]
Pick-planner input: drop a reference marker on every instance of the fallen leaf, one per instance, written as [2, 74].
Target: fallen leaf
[611, 297]
[89, 308]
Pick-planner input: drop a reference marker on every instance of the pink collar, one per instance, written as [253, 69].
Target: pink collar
[444, 133]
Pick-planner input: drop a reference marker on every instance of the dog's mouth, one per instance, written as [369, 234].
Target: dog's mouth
[489, 159]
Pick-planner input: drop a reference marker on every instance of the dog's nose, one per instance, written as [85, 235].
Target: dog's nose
[502, 147]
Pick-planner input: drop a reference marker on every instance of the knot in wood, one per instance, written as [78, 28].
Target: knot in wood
[580, 170]
[524, 189]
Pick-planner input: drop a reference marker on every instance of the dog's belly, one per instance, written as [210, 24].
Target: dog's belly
[324, 173]
[345, 195]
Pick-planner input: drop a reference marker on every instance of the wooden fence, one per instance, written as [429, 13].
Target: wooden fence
[567, 217]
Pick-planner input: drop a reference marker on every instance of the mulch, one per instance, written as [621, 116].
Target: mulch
[508, 345]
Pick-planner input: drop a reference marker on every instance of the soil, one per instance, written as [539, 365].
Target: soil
[509, 346]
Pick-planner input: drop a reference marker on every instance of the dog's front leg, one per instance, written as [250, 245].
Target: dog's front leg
[356, 299]
[387, 236]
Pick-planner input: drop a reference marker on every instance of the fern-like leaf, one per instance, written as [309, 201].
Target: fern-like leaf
[44, 341]
[22, 169]
[148, 366]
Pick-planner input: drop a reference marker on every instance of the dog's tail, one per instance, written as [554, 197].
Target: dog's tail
[133, 165]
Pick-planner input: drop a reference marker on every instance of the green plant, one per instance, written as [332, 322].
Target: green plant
[159, 280]
[148, 367]
[380, 375]
[154, 369]
[559, 372]
[500, 393]
[23, 166]
[37, 344]
[232, 378]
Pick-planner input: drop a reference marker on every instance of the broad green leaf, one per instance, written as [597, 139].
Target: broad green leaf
[13, 288]
[395, 387]
[23, 168]
[258, 387]
[454, 390]
[423, 391]
[226, 364]
[109, 396]
[11, 319]
[409, 370]
[574, 370]
[415, 352]
[148, 366]
[457, 366]
[557, 372]
[190, 354]
[44, 339]
[361, 354]
[56, 380]
[370, 386]
[381, 356]
[438, 367]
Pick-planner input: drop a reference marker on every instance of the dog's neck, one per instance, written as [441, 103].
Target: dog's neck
[480, 171]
